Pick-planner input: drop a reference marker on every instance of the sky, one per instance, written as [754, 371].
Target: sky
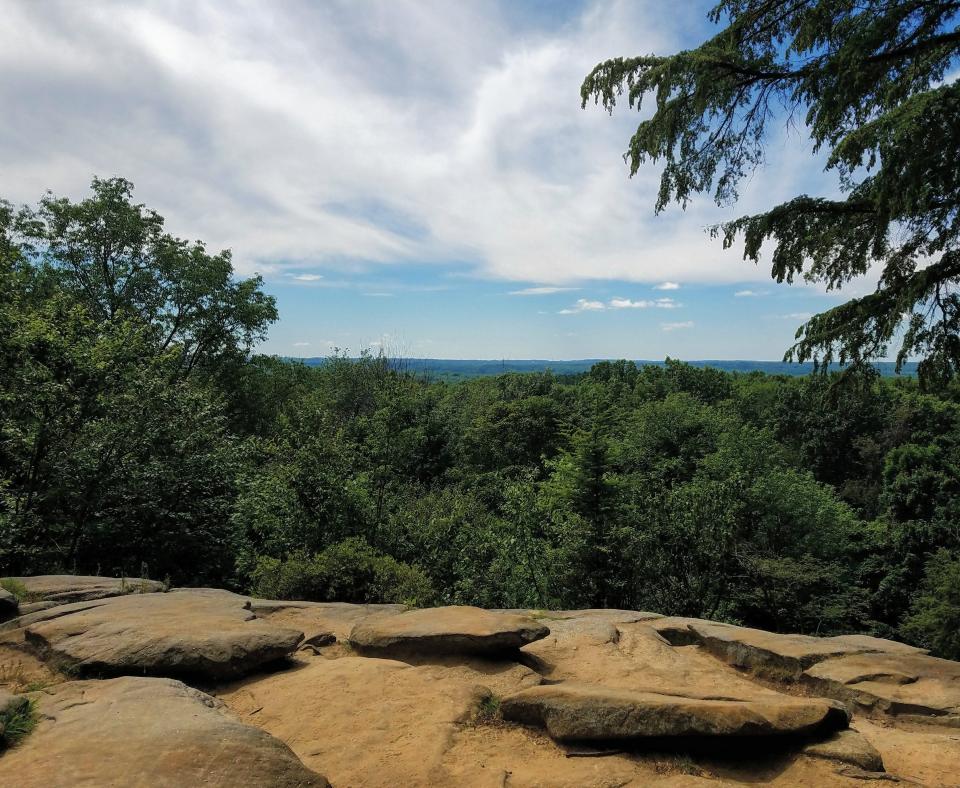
[415, 176]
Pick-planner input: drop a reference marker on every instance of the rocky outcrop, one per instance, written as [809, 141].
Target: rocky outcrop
[146, 731]
[594, 713]
[64, 589]
[181, 635]
[850, 747]
[447, 630]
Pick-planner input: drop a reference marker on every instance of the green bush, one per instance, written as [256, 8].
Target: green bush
[348, 571]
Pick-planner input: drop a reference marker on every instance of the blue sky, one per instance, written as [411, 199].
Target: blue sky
[416, 176]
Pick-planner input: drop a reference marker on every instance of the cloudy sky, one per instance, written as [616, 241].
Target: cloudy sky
[416, 174]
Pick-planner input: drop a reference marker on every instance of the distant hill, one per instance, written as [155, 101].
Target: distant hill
[462, 369]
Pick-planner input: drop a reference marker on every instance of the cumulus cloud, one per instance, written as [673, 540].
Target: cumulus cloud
[750, 293]
[668, 286]
[413, 131]
[583, 305]
[626, 303]
[676, 326]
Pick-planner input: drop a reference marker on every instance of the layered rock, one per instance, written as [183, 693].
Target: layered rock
[181, 635]
[447, 630]
[9, 605]
[64, 589]
[572, 712]
[146, 731]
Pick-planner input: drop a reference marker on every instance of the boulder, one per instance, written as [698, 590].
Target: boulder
[180, 635]
[899, 684]
[848, 747]
[446, 630]
[146, 731]
[9, 605]
[585, 712]
[79, 588]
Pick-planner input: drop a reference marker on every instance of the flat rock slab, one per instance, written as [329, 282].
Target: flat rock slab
[900, 684]
[447, 630]
[786, 655]
[182, 635]
[584, 712]
[146, 731]
[79, 588]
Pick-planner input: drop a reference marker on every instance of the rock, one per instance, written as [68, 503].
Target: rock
[446, 630]
[79, 588]
[9, 604]
[584, 712]
[848, 747]
[363, 721]
[36, 607]
[146, 731]
[899, 684]
[783, 656]
[316, 618]
[188, 635]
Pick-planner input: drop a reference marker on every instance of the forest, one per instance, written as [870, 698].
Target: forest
[141, 436]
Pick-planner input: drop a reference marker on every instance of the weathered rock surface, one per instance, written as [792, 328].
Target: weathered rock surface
[146, 732]
[446, 630]
[9, 604]
[585, 712]
[78, 588]
[181, 635]
[899, 684]
[850, 747]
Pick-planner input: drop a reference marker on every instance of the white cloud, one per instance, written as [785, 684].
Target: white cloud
[537, 291]
[418, 132]
[307, 277]
[750, 293]
[583, 305]
[301, 344]
[797, 316]
[660, 303]
[379, 295]
[676, 326]
[667, 286]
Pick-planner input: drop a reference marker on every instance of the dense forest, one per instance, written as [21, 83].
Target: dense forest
[140, 435]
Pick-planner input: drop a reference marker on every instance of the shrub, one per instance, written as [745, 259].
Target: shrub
[348, 571]
[935, 616]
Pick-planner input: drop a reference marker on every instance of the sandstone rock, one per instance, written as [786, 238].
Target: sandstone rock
[786, 656]
[184, 634]
[445, 630]
[146, 731]
[36, 607]
[79, 588]
[584, 712]
[900, 684]
[315, 618]
[8, 604]
[849, 747]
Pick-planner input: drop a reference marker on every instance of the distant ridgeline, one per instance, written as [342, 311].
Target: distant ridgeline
[462, 369]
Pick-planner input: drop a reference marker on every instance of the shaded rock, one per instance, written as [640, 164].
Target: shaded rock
[317, 618]
[146, 731]
[206, 635]
[901, 684]
[583, 712]
[848, 747]
[9, 604]
[36, 607]
[445, 630]
[79, 588]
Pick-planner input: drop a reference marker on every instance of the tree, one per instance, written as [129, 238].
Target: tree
[870, 78]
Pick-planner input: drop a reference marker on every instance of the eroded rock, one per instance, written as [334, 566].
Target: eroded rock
[180, 635]
[446, 630]
[78, 588]
[585, 712]
[848, 747]
[146, 731]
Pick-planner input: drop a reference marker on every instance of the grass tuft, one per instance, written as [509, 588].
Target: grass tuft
[16, 725]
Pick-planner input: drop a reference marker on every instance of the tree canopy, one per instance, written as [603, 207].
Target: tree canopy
[870, 81]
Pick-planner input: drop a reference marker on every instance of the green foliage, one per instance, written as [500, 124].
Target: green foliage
[15, 587]
[17, 724]
[866, 79]
[935, 616]
[348, 571]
